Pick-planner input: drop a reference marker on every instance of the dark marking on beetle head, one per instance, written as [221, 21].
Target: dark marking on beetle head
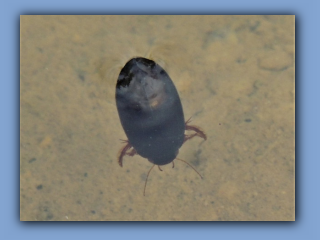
[162, 72]
[140, 85]
[144, 62]
[124, 80]
[135, 67]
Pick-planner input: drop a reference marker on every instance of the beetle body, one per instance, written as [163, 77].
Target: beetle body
[150, 111]
[151, 114]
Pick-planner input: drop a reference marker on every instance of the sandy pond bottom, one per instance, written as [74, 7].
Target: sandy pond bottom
[235, 77]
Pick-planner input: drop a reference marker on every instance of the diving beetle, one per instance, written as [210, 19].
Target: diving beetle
[151, 114]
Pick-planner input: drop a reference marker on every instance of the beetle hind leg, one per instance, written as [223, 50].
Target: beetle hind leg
[126, 151]
[197, 130]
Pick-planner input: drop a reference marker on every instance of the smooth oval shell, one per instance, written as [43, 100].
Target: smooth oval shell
[150, 110]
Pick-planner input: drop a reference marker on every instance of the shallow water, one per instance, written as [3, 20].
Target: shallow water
[235, 77]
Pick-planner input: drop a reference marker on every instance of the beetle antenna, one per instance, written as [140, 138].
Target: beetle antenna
[145, 185]
[190, 166]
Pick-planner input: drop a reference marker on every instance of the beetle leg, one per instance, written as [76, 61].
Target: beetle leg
[124, 151]
[188, 137]
[196, 129]
[159, 168]
[132, 152]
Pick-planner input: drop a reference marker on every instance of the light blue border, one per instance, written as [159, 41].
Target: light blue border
[308, 121]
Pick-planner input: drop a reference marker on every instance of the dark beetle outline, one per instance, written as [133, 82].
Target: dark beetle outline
[151, 114]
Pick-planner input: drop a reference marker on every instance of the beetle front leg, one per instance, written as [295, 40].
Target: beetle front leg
[125, 151]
